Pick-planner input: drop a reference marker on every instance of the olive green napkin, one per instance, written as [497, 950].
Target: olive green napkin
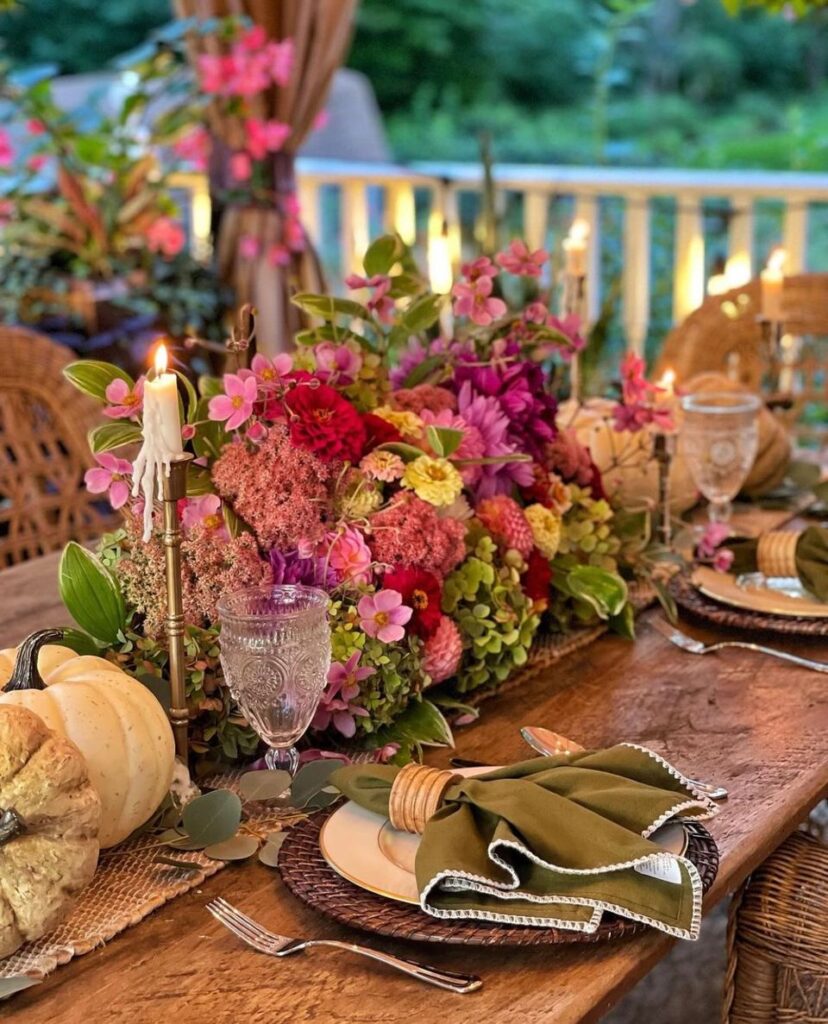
[811, 558]
[554, 841]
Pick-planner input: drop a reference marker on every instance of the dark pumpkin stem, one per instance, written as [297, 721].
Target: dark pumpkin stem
[10, 826]
[25, 675]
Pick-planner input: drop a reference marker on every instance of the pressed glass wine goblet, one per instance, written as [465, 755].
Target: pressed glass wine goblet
[719, 439]
[276, 652]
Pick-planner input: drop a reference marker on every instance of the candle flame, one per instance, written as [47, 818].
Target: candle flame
[161, 360]
[668, 382]
[579, 231]
[777, 259]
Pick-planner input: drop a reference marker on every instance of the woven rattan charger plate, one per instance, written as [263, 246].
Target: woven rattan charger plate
[310, 878]
[706, 609]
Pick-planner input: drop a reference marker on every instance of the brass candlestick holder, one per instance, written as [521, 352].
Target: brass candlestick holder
[174, 487]
[664, 448]
[574, 303]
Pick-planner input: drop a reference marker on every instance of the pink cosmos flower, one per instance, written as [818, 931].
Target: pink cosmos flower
[166, 236]
[36, 163]
[633, 382]
[249, 247]
[34, 126]
[204, 511]
[112, 475]
[280, 57]
[481, 267]
[265, 137]
[338, 362]
[320, 121]
[723, 560]
[188, 432]
[278, 255]
[241, 166]
[517, 259]
[236, 404]
[383, 615]
[125, 402]
[254, 39]
[6, 149]
[348, 555]
[268, 371]
[639, 415]
[338, 704]
[212, 72]
[472, 299]
[714, 534]
[194, 148]
[380, 302]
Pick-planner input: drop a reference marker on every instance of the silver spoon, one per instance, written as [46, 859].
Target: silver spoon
[550, 744]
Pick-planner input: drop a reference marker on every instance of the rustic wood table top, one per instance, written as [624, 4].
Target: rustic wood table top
[757, 726]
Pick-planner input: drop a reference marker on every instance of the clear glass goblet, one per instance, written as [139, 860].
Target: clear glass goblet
[276, 652]
[719, 438]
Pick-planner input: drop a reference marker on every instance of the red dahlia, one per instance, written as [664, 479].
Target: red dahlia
[421, 591]
[378, 431]
[323, 422]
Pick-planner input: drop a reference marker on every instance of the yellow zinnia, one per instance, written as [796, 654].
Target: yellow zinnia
[546, 529]
[434, 480]
[409, 424]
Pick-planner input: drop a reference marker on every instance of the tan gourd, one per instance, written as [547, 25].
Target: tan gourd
[49, 819]
[115, 722]
[774, 452]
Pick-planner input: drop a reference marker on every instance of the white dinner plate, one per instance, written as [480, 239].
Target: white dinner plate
[363, 848]
[771, 595]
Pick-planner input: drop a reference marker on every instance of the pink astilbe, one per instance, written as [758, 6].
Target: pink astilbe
[282, 492]
[409, 532]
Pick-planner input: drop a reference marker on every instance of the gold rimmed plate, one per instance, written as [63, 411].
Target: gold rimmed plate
[756, 593]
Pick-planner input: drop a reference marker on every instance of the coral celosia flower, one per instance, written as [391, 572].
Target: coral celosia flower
[409, 532]
[325, 423]
[383, 615]
[349, 556]
[473, 299]
[434, 480]
[421, 591]
[443, 651]
[166, 236]
[205, 512]
[125, 402]
[517, 259]
[112, 475]
[546, 529]
[505, 521]
[338, 705]
[236, 404]
[424, 398]
[382, 465]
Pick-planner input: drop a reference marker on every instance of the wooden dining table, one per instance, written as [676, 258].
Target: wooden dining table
[755, 725]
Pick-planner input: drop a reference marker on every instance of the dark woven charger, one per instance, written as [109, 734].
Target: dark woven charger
[310, 878]
[699, 606]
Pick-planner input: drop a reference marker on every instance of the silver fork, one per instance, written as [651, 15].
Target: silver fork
[270, 943]
[687, 643]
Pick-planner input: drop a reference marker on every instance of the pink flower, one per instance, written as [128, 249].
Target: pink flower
[481, 267]
[380, 302]
[125, 402]
[517, 259]
[348, 555]
[472, 300]
[383, 615]
[188, 432]
[241, 166]
[714, 535]
[194, 148]
[166, 236]
[280, 57]
[338, 362]
[535, 313]
[443, 651]
[256, 432]
[320, 121]
[6, 211]
[278, 255]
[249, 247]
[254, 39]
[265, 137]
[723, 560]
[268, 371]
[236, 404]
[338, 704]
[36, 163]
[633, 382]
[204, 511]
[293, 233]
[6, 149]
[113, 475]
[212, 71]
[34, 126]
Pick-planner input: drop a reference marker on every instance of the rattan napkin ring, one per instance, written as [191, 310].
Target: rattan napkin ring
[776, 553]
[416, 795]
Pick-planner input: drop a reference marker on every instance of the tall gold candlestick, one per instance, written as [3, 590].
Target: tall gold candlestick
[664, 448]
[574, 303]
[175, 488]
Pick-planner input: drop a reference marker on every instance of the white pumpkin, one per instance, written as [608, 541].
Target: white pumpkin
[625, 459]
[116, 723]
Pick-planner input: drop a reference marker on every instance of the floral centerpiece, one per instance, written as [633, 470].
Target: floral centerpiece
[417, 474]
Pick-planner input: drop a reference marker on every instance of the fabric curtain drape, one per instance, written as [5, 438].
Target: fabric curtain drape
[321, 33]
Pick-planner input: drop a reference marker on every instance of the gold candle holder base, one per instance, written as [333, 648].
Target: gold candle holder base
[174, 487]
[664, 449]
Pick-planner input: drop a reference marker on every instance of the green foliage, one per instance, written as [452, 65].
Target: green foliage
[91, 595]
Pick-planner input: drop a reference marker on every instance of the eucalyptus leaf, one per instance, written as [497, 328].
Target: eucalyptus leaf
[237, 848]
[178, 840]
[264, 785]
[90, 593]
[212, 818]
[93, 377]
[324, 798]
[310, 779]
[269, 853]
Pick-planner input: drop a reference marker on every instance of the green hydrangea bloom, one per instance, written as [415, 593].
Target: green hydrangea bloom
[586, 532]
[485, 598]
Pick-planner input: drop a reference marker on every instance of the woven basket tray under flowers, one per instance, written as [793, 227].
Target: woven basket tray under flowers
[420, 479]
